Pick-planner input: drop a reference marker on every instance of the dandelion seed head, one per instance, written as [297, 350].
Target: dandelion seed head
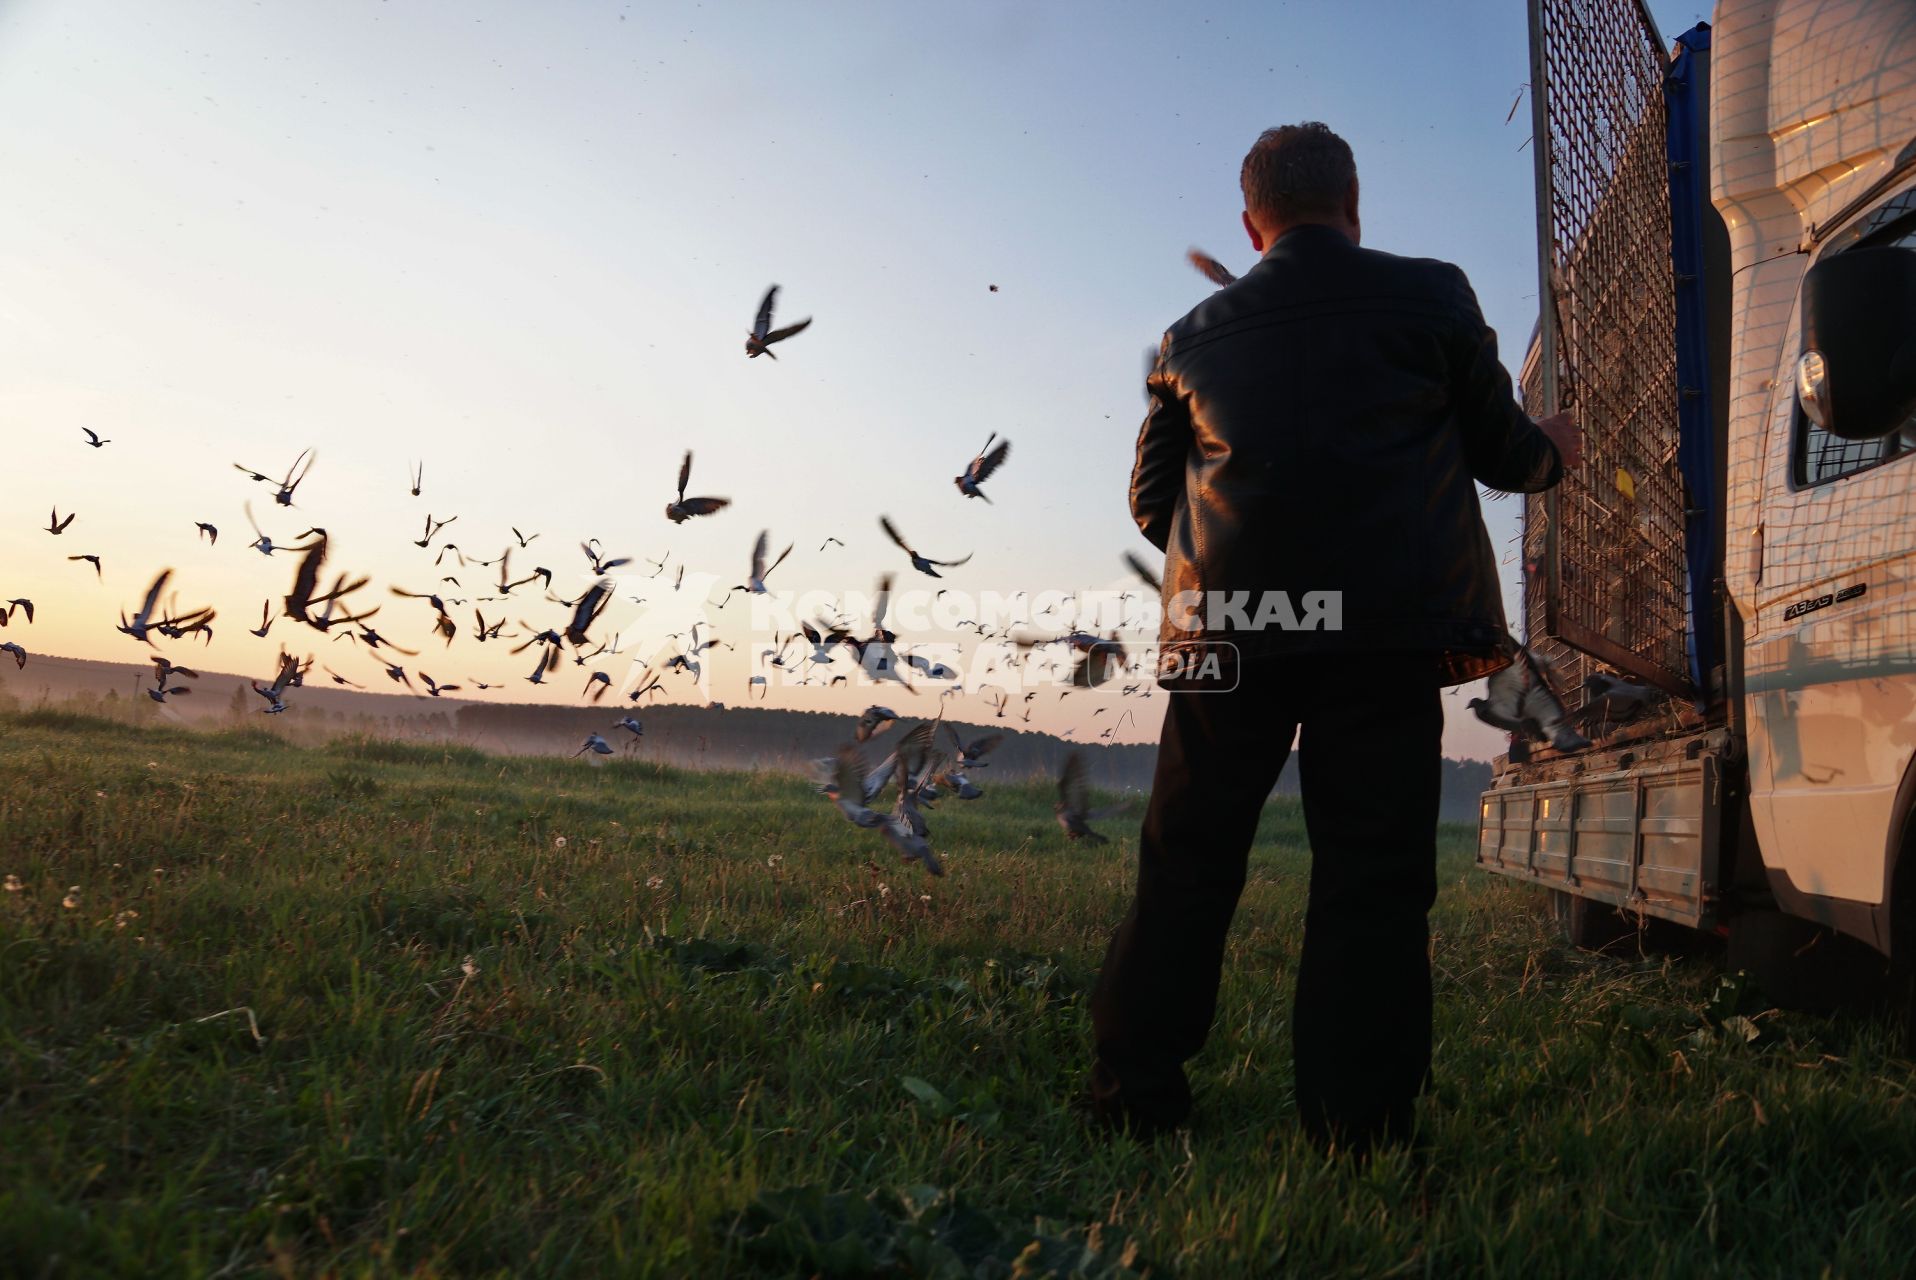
[468, 968]
[72, 899]
[13, 884]
[558, 842]
[655, 882]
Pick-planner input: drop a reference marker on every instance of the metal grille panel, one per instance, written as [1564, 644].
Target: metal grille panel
[1604, 551]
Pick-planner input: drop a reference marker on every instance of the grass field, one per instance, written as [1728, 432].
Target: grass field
[374, 1009]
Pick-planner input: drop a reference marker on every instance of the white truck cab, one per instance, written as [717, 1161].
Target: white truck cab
[1814, 156]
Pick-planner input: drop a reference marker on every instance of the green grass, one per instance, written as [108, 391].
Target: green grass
[691, 994]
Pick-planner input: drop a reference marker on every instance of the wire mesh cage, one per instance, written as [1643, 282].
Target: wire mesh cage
[1603, 552]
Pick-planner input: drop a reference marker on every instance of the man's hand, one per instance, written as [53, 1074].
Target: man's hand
[1563, 433]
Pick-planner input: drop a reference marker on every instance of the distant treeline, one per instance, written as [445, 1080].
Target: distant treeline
[699, 737]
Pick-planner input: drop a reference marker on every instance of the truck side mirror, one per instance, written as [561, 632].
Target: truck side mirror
[1857, 376]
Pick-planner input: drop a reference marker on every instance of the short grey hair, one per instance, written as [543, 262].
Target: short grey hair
[1296, 173]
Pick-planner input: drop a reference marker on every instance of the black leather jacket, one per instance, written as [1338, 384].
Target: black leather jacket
[1317, 427]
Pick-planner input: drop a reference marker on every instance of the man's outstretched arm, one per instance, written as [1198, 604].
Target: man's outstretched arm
[1502, 446]
[1164, 447]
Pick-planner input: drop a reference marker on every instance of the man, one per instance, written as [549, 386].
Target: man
[1316, 429]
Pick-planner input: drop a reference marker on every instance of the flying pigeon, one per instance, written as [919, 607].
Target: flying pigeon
[759, 341]
[1521, 701]
[1213, 270]
[685, 508]
[923, 564]
[979, 469]
[1074, 802]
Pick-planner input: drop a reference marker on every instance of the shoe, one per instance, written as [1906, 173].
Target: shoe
[1120, 1111]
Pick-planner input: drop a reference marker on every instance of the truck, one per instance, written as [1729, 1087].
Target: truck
[1727, 253]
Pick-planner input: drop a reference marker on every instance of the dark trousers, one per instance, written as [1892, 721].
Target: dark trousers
[1370, 770]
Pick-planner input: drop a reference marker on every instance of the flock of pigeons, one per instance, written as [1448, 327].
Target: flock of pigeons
[923, 773]
[921, 770]
[332, 602]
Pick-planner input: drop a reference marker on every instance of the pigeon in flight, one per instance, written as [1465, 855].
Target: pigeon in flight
[207, 531]
[1612, 699]
[92, 560]
[55, 525]
[93, 438]
[595, 744]
[295, 474]
[979, 469]
[846, 788]
[1521, 701]
[432, 529]
[755, 584]
[875, 721]
[971, 755]
[685, 508]
[1213, 270]
[1136, 564]
[275, 693]
[1074, 802]
[631, 726]
[434, 688]
[586, 610]
[905, 828]
[305, 593]
[19, 605]
[923, 564]
[19, 654]
[265, 545]
[163, 671]
[597, 557]
[1098, 661]
[417, 475]
[759, 341]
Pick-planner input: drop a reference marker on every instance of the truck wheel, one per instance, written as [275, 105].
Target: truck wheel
[1801, 965]
[1590, 925]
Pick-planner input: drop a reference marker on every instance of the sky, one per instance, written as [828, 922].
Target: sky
[523, 244]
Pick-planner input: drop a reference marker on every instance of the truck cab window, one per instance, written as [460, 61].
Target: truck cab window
[1820, 456]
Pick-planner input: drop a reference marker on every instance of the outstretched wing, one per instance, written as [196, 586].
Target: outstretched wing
[983, 746]
[296, 473]
[1137, 566]
[913, 746]
[1213, 270]
[761, 325]
[1074, 788]
[991, 460]
[779, 335]
[685, 474]
[152, 595]
[758, 553]
[891, 531]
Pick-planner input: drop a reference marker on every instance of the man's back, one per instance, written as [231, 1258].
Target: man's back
[1318, 426]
